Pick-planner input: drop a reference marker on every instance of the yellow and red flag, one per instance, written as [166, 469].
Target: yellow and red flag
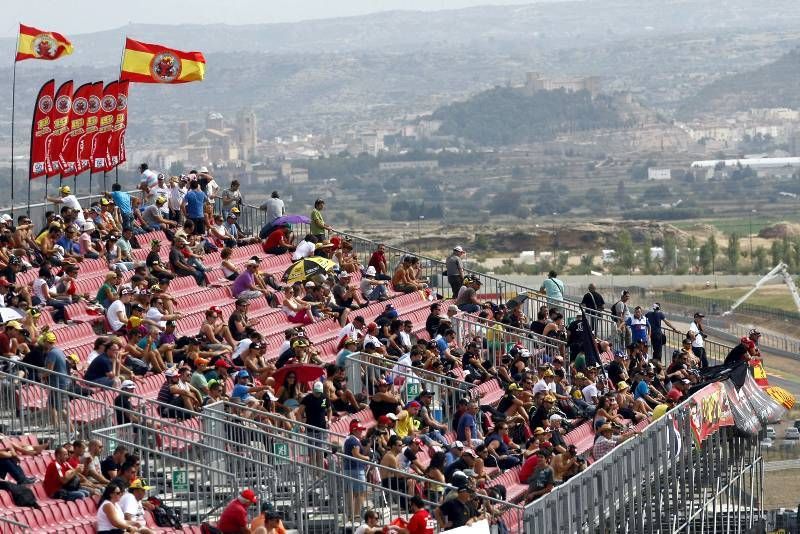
[37, 44]
[154, 63]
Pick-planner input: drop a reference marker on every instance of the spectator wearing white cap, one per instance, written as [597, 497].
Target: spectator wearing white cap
[371, 288]
[455, 269]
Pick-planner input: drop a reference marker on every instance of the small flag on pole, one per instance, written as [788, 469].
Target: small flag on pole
[154, 63]
[37, 44]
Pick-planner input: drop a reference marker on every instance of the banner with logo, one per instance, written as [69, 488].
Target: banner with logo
[108, 105]
[116, 141]
[77, 123]
[84, 149]
[41, 127]
[60, 119]
[710, 411]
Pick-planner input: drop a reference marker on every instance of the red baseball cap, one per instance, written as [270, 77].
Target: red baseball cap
[674, 395]
[356, 425]
[223, 363]
[4, 282]
[249, 495]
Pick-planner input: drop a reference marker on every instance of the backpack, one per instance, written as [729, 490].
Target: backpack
[21, 495]
[614, 313]
[165, 516]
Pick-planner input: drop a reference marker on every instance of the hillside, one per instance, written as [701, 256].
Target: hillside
[504, 115]
[770, 86]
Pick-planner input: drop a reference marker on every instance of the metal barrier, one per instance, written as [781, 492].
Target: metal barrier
[9, 526]
[368, 370]
[500, 337]
[715, 352]
[660, 482]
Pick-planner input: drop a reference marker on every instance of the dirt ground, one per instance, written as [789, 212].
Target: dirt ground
[782, 489]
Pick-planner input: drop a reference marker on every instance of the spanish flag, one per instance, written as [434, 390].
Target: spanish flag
[153, 63]
[38, 44]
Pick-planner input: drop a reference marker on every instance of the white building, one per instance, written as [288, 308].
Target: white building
[658, 173]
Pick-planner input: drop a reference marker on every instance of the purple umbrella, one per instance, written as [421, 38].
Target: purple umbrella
[291, 219]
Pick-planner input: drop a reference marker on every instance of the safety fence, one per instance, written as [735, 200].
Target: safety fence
[198, 461]
[717, 306]
[9, 526]
[409, 382]
[500, 338]
[661, 482]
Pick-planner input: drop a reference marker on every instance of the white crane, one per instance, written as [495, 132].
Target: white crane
[780, 270]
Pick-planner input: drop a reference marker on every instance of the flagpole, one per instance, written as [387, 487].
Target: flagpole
[119, 78]
[13, 107]
[105, 186]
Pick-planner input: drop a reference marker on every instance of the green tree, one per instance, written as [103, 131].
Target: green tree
[777, 252]
[734, 252]
[646, 258]
[760, 260]
[626, 254]
[670, 252]
[691, 249]
[585, 266]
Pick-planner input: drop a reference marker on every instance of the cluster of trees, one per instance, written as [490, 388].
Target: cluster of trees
[506, 115]
[404, 210]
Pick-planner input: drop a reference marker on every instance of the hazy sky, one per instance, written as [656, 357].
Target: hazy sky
[82, 16]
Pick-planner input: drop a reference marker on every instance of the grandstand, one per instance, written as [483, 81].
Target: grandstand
[198, 462]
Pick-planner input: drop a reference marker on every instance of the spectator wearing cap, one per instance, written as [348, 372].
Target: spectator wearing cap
[467, 299]
[156, 216]
[407, 425]
[177, 396]
[67, 199]
[132, 505]
[468, 430]
[318, 226]
[605, 440]
[233, 519]
[647, 393]
[539, 415]
[123, 409]
[512, 405]
[742, 352]
[454, 265]
[657, 337]
[14, 339]
[501, 448]
[154, 262]
[372, 288]
[346, 295]
[457, 512]
[354, 467]
[671, 400]
[56, 361]
[629, 408]
[431, 430]
[315, 409]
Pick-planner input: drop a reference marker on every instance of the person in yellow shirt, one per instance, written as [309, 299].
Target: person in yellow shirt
[672, 399]
[407, 425]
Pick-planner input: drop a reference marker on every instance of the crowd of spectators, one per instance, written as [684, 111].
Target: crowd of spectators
[408, 447]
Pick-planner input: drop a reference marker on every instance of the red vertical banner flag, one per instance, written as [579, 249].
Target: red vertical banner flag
[77, 124]
[116, 142]
[108, 105]
[60, 119]
[84, 155]
[41, 127]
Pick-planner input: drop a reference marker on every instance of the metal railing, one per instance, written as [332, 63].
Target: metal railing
[9, 526]
[499, 338]
[661, 482]
[368, 370]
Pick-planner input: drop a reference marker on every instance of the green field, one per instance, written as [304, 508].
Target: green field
[774, 296]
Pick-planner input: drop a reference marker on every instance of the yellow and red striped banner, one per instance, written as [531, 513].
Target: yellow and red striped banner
[154, 63]
[37, 44]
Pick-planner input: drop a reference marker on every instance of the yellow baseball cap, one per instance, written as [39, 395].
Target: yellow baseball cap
[139, 484]
[14, 324]
[47, 337]
[65, 190]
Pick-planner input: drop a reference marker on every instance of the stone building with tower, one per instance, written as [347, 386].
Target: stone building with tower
[221, 140]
